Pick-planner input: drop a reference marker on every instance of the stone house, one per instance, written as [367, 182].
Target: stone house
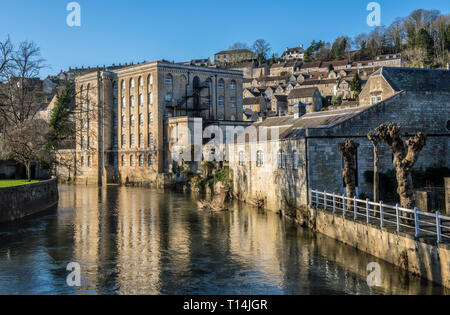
[296, 53]
[310, 96]
[389, 81]
[276, 161]
[233, 56]
[255, 104]
[123, 134]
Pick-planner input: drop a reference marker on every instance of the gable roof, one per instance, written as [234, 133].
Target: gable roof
[413, 79]
[302, 92]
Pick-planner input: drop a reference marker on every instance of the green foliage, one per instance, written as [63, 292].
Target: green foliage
[336, 100]
[62, 127]
[356, 85]
[339, 48]
[222, 175]
[330, 67]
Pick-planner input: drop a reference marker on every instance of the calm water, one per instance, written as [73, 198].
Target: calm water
[143, 241]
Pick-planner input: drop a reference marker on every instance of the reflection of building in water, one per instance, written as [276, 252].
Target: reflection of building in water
[86, 235]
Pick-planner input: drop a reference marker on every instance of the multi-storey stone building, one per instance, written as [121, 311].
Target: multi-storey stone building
[126, 117]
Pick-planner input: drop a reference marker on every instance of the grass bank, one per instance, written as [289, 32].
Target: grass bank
[15, 182]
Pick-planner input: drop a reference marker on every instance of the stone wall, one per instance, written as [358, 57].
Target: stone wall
[430, 261]
[22, 201]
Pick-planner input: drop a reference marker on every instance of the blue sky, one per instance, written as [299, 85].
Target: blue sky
[114, 31]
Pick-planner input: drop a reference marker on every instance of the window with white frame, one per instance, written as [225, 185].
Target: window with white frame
[295, 160]
[141, 140]
[150, 79]
[259, 158]
[281, 159]
[141, 81]
[150, 98]
[150, 160]
[132, 100]
[141, 161]
[241, 158]
[132, 140]
[150, 118]
[132, 121]
[141, 119]
[132, 160]
[150, 139]
[141, 100]
[132, 83]
[124, 102]
[123, 140]
[124, 160]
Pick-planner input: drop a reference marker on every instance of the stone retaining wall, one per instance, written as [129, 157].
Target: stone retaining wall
[430, 261]
[21, 201]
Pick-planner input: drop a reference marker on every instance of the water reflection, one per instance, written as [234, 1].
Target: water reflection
[142, 241]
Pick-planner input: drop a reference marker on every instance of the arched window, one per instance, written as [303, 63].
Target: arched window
[141, 119]
[150, 79]
[132, 100]
[241, 158]
[168, 79]
[132, 121]
[150, 160]
[131, 140]
[124, 160]
[89, 161]
[124, 102]
[233, 102]
[123, 140]
[124, 120]
[281, 159]
[150, 119]
[141, 81]
[259, 158]
[141, 140]
[233, 85]
[221, 101]
[132, 160]
[150, 139]
[208, 83]
[150, 98]
[131, 83]
[123, 84]
[295, 160]
[221, 84]
[82, 161]
[141, 161]
[168, 97]
[141, 100]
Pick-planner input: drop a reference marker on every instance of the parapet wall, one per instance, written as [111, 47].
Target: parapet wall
[430, 261]
[21, 201]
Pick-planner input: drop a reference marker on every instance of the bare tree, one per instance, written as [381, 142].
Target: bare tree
[404, 159]
[348, 150]
[26, 144]
[261, 49]
[239, 45]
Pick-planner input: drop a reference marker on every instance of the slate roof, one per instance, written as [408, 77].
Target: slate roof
[302, 92]
[290, 127]
[412, 79]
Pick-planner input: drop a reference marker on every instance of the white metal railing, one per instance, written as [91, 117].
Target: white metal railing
[422, 224]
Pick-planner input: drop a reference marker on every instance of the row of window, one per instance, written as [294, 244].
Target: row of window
[140, 161]
[281, 159]
[140, 100]
[89, 161]
[140, 82]
[141, 120]
[141, 140]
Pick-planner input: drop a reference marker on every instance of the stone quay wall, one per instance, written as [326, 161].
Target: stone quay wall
[21, 201]
[428, 260]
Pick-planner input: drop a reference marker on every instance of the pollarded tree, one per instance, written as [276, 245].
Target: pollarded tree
[375, 143]
[348, 149]
[404, 158]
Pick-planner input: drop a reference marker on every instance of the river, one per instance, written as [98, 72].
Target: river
[130, 240]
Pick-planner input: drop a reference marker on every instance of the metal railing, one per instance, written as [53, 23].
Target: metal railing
[422, 224]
